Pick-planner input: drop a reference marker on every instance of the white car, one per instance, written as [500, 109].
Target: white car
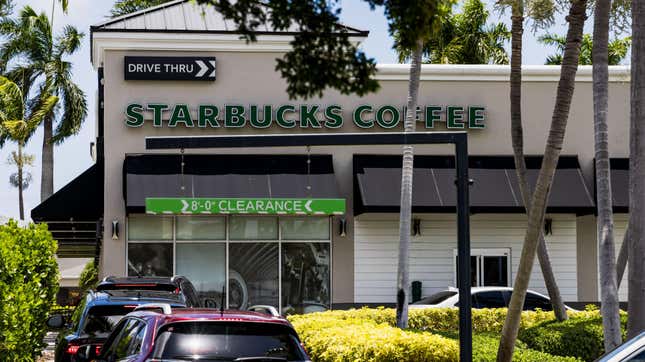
[484, 297]
[630, 351]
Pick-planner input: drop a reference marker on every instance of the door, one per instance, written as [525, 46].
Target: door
[488, 267]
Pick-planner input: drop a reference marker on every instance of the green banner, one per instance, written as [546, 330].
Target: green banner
[190, 206]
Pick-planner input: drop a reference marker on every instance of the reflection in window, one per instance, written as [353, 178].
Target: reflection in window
[305, 228]
[253, 228]
[201, 228]
[142, 227]
[253, 274]
[150, 259]
[204, 264]
[305, 277]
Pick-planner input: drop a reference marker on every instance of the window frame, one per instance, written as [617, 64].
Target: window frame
[480, 253]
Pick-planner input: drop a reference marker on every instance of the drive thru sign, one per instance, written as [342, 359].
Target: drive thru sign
[271, 206]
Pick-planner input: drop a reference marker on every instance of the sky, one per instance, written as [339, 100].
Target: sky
[73, 157]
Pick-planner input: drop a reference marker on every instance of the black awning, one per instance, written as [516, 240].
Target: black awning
[619, 169]
[377, 184]
[226, 176]
[80, 200]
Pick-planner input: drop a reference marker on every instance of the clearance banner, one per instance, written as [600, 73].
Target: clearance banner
[267, 206]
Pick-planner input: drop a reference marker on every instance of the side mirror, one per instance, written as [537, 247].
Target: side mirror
[56, 321]
[86, 353]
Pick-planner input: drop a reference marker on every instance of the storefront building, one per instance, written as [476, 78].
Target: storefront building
[313, 228]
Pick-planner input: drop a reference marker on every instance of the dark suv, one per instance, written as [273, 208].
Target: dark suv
[161, 333]
[101, 309]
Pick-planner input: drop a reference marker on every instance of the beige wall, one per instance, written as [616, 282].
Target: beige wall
[249, 78]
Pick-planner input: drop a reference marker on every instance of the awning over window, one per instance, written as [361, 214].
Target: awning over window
[377, 184]
[620, 184]
[72, 214]
[227, 176]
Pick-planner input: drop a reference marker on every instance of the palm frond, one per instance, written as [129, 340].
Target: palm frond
[68, 42]
[74, 111]
[44, 108]
[11, 99]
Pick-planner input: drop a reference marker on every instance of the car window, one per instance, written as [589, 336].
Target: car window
[103, 319]
[437, 297]
[227, 341]
[489, 299]
[190, 293]
[639, 357]
[127, 341]
[534, 301]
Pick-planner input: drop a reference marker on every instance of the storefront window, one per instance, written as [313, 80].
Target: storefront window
[305, 228]
[305, 277]
[204, 264]
[253, 228]
[201, 228]
[149, 228]
[253, 274]
[150, 259]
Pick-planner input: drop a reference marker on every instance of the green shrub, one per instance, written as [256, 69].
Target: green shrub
[485, 350]
[28, 287]
[336, 339]
[580, 336]
[89, 277]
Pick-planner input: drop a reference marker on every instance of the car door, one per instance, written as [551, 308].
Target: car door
[124, 345]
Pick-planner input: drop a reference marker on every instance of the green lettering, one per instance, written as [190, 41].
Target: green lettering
[181, 113]
[308, 116]
[358, 117]
[234, 116]
[476, 117]
[157, 112]
[133, 115]
[334, 117]
[282, 121]
[394, 120]
[455, 117]
[208, 116]
[432, 115]
[255, 119]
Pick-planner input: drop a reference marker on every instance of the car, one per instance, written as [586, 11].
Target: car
[96, 314]
[484, 297]
[631, 351]
[159, 332]
[177, 284]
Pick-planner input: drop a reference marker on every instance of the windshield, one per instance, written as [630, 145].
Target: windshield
[227, 341]
[102, 319]
[437, 297]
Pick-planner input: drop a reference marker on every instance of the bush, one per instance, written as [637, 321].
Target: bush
[334, 339]
[28, 287]
[89, 277]
[580, 336]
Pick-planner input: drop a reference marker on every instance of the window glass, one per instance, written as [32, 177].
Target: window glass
[201, 228]
[640, 357]
[473, 270]
[204, 264]
[304, 228]
[101, 320]
[253, 274]
[122, 343]
[253, 228]
[437, 297]
[490, 299]
[305, 277]
[149, 228]
[150, 259]
[533, 301]
[495, 271]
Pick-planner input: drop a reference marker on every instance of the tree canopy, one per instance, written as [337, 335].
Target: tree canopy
[123, 7]
[618, 49]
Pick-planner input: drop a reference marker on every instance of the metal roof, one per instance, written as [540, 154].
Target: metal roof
[188, 16]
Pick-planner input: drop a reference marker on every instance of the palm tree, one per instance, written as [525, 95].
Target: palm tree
[552, 150]
[465, 39]
[17, 123]
[122, 7]
[29, 37]
[636, 293]
[6, 7]
[605, 221]
[617, 49]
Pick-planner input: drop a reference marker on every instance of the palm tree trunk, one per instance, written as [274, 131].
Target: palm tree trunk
[636, 293]
[47, 176]
[21, 205]
[552, 150]
[605, 221]
[517, 137]
[621, 262]
[405, 215]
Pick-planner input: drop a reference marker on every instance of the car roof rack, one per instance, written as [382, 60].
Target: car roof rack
[165, 307]
[268, 308]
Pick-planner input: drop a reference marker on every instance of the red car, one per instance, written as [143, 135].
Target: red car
[158, 333]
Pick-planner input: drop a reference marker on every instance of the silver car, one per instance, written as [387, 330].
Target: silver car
[630, 351]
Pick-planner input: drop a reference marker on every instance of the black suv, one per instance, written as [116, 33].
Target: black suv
[101, 309]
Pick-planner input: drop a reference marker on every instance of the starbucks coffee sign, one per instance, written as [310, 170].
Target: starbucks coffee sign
[306, 116]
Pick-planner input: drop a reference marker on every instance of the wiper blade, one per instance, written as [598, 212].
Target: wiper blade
[260, 359]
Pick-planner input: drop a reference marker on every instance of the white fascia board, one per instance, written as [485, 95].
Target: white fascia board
[493, 73]
[115, 40]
